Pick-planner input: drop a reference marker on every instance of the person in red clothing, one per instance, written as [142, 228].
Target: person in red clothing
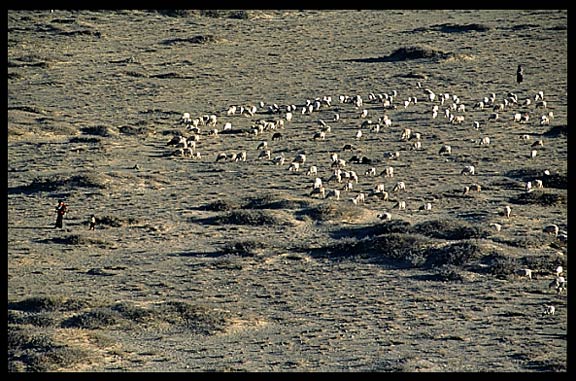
[61, 211]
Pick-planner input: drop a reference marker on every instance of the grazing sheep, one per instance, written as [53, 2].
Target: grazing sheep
[496, 226]
[406, 134]
[300, 158]
[340, 163]
[388, 172]
[319, 191]
[466, 190]
[400, 185]
[279, 160]
[262, 145]
[426, 206]
[385, 216]
[484, 141]
[348, 147]
[370, 171]
[528, 186]
[294, 166]
[333, 193]
[416, 146]
[458, 119]
[552, 229]
[559, 284]
[288, 116]
[533, 153]
[538, 143]
[265, 154]
[549, 310]
[507, 211]
[559, 270]
[476, 187]
[401, 205]
[231, 110]
[178, 141]
[391, 155]
[525, 273]
[360, 198]
[348, 187]
[358, 135]
[538, 184]
[317, 183]
[222, 156]
[241, 156]
[468, 170]
[196, 155]
[277, 136]
[313, 170]
[445, 150]
[319, 135]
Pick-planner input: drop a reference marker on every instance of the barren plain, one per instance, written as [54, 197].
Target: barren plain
[205, 265]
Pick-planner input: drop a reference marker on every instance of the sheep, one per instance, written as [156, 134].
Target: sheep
[426, 206]
[348, 147]
[445, 150]
[468, 170]
[317, 183]
[222, 156]
[549, 310]
[525, 273]
[233, 157]
[417, 145]
[313, 170]
[358, 134]
[401, 205]
[288, 116]
[528, 186]
[300, 158]
[241, 156]
[484, 141]
[533, 153]
[391, 155]
[279, 160]
[319, 191]
[476, 187]
[476, 125]
[360, 198]
[465, 191]
[178, 141]
[353, 176]
[349, 186]
[370, 171]
[496, 226]
[538, 184]
[294, 166]
[340, 163]
[388, 172]
[458, 119]
[196, 155]
[507, 211]
[551, 229]
[333, 193]
[231, 110]
[559, 284]
[400, 185]
[538, 143]
[277, 136]
[265, 154]
[262, 145]
[319, 135]
[385, 216]
[406, 134]
[559, 270]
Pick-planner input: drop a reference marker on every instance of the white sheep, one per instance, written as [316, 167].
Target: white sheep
[445, 150]
[468, 170]
[385, 216]
[222, 156]
[559, 284]
[406, 134]
[484, 141]
[370, 171]
[388, 172]
[507, 211]
[552, 229]
[313, 170]
[538, 184]
[426, 206]
[319, 191]
[533, 153]
[525, 273]
[400, 185]
[300, 158]
[360, 198]
[333, 193]
[319, 135]
[317, 183]
[401, 205]
[265, 154]
[294, 166]
[549, 309]
[279, 160]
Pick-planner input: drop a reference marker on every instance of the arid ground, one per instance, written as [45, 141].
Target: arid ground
[199, 264]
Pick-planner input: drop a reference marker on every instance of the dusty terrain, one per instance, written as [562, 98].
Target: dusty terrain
[199, 265]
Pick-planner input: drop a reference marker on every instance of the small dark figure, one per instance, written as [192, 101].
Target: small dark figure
[520, 74]
[61, 210]
[92, 223]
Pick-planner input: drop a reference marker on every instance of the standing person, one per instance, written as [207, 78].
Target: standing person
[61, 210]
[92, 223]
[520, 74]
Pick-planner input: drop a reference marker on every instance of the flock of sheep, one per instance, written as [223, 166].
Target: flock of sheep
[377, 113]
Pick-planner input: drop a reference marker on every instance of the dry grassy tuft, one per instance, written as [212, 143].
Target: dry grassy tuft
[48, 303]
[28, 352]
[221, 206]
[540, 198]
[456, 254]
[556, 131]
[94, 319]
[449, 229]
[336, 212]
[248, 217]
[247, 248]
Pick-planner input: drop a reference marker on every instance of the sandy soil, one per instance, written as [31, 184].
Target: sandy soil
[199, 265]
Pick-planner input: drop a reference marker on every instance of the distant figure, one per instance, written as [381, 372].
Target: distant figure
[520, 74]
[61, 210]
[92, 223]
